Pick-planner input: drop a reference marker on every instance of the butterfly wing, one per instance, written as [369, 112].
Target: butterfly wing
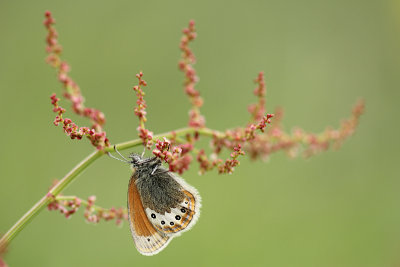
[182, 215]
[147, 239]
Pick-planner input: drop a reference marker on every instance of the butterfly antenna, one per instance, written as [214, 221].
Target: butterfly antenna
[111, 156]
[116, 150]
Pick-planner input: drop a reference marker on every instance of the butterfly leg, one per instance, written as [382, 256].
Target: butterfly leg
[154, 170]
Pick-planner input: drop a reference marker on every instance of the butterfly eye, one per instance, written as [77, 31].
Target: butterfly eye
[135, 158]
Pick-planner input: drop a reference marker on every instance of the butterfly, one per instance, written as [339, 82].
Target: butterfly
[161, 205]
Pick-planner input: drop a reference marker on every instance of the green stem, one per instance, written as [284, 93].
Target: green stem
[44, 201]
[78, 169]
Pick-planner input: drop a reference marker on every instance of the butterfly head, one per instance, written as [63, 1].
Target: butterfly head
[136, 160]
[144, 165]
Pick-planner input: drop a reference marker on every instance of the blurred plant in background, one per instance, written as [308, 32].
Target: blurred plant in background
[177, 147]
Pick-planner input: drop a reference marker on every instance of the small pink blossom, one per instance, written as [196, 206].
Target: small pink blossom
[92, 213]
[98, 140]
[177, 157]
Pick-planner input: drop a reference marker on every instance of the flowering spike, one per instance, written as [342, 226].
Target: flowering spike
[196, 120]
[140, 112]
[98, 140]
[69, 205]
[257, 110]
[72, 91]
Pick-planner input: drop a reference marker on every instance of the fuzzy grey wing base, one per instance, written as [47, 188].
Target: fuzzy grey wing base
[160, 192]
[179, 217]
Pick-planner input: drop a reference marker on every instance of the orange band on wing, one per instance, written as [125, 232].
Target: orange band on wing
[141, 223]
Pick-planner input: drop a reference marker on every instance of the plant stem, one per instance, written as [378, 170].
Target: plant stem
[44, 201]
[78, 169]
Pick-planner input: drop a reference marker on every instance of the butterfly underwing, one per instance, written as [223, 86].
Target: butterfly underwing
[161, 205]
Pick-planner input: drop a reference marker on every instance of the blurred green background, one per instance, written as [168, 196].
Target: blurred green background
[340, 208]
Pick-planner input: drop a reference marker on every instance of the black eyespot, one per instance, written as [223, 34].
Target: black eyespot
[148, 239]
[162, 222]
[153, 216]
[178, 217]
[171, 223]
[186, 202]
[183, 210]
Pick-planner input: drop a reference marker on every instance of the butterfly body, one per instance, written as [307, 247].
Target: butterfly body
[161, 205]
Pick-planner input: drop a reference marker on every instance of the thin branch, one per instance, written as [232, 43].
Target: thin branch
[69, 205]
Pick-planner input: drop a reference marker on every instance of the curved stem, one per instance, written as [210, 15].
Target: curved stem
[78, 169]
[44, 201]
